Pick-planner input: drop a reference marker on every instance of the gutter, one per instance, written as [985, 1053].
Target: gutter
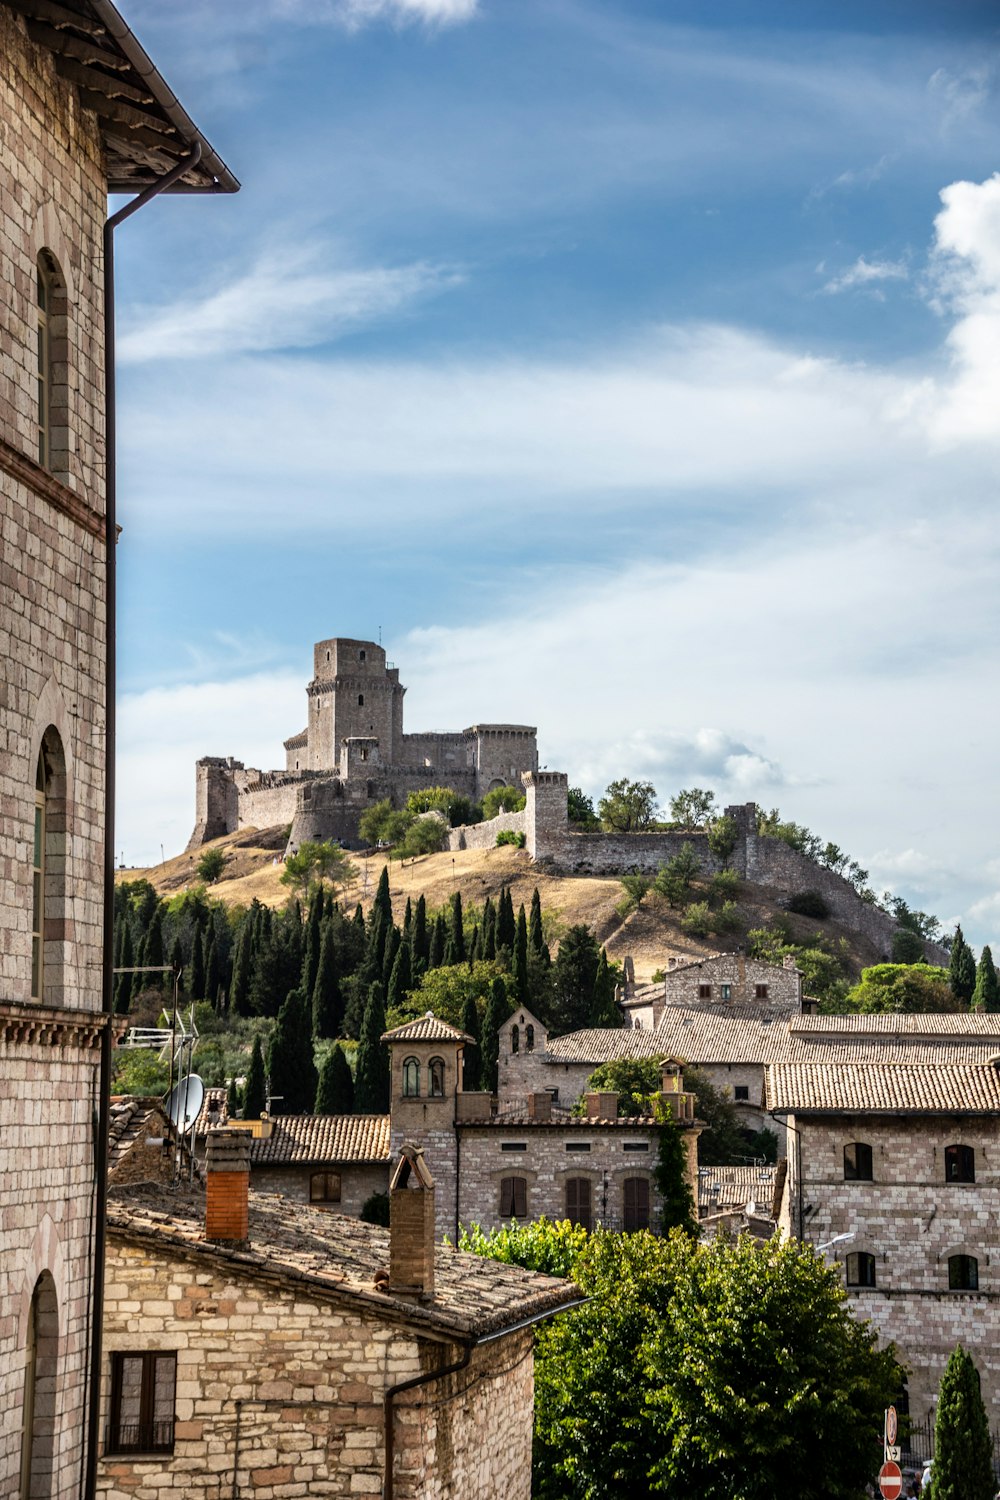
[388, 1485]
[110, 683]
[175, 112]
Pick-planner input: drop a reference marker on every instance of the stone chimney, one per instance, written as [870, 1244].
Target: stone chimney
[601, 1106]
[227, 1183]
[675, 1101]
[411, 1226]
[540, 1106]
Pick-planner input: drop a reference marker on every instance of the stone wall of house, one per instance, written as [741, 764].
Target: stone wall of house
[911, 1221]
[484, 835]
[310, 1375]
[357, 1183]
[742, 977]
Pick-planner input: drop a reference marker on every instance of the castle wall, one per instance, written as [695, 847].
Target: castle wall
[503, 753]
[484, 835]
[268, 806]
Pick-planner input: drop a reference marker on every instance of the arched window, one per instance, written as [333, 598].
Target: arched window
[361, 700]
[38, 1411]
[578, 1202]
[636, 1204]
[514, 1198]
[858, 1162]
[959, 1164]
[50, 362]
[963, 1273]
[435, 1069]
[515, 1038]
[48, 870]
[411, 1078]
[529, 1038]
[860, 1268]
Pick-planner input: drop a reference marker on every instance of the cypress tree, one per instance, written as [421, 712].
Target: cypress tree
[314, 937]
[457, 930]
[961, 968]
[359, 918]
[603, 1010]
[327, 1001]
[489, 941]
[439, 940]
[154, 950]
[335, 1094]
[986, 995]
[383, 900]
[392, 946]
[212, 979]
[471, 1061]
[377, 934]
[497, 1011]
[474, 947]
[239, 994]
[505, 921]
[521, 958]
[574, 973]
[139, 980]
[400, 980]
[536, 936]
[371, 1084]
[232, 1100]
[670, 1176]
[963, 1451]
[196, 968]
[421, 941]
[123, 986]
[408, 921]
[291, 1067]
[255, 1085]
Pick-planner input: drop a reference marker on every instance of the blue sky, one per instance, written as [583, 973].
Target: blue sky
[632, 367]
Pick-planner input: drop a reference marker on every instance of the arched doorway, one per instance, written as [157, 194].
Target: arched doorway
[38, 1412]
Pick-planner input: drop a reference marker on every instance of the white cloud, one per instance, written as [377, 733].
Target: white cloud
[867, 273]
[856, 177]
[291, 299]
[961, 92]
[966, 282]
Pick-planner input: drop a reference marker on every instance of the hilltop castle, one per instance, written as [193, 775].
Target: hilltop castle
[352, 753]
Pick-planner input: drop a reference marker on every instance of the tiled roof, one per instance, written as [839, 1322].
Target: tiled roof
[338, 1257]
[892, 1023]
[214, 1110]
[130, 1117]
[869, 1088]
[427, 1029]
[302, 1139]
[734, 1187]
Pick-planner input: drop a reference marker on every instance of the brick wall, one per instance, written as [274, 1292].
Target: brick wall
[311, 1375]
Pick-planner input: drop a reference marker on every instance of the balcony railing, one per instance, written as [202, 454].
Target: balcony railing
[140, 1437]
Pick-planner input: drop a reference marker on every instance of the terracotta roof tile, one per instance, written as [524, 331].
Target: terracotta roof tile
[733, 1187]
[892, 1023]
[338, 1258]
[301, 1139]
[427, 1029]
[871, 1088]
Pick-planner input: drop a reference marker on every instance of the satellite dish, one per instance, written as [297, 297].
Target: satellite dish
[185, 1102]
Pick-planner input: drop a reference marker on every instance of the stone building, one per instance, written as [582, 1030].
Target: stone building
[726, 977]
[84, 113]
[352, 753]
[894, 1166]
[260, 1346]
[332, 1161]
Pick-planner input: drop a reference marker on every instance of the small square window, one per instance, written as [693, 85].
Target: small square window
[727, 991]
[741, 1091]
[704, 992]
[577, 1145]
[760, 991]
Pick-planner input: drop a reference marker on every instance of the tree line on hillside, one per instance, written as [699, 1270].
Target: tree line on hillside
[324, 975]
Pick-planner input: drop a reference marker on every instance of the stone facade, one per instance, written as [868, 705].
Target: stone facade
[353, 753]
[726, 977]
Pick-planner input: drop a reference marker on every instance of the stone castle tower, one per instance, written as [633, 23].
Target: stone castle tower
[353, 752]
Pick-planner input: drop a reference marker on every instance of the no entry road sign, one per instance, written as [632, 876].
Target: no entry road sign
[890, 1481]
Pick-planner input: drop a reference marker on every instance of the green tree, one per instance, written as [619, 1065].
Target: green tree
[439, 942]
[986, 995]
[722, 1143]
[963, 1451]
[421, 942]
[327, 998]
[908, 988]
[317, 862]
[502, 799]
[335, 1093]
[232, 1100]
[677, 1208]
[506, 926]
[291, 1068]
[521, 957]
[424, 836]
[536, 931]
[580, 810]
[675, 879]
[211, 865]
[636, 888]
[692, 808]
[907, 947]
[470, 1055]
[371, 1083]
[383, 897]
[313, 940]
[123, 984]
[383, 824]
[239, 993]
[628, 806]
[255, 1084]
[961, 968]
[153, 952]
[603, 1010]
[573, 977]
[636, 1081]
[196, 970]
[447, 991]
[213, 976]
[455, 948]
[722, 836]
[400, 980]
[497, 1010]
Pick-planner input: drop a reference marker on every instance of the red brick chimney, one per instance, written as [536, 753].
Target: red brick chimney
[411, 1226]
[601, 1105]
[227, 1184]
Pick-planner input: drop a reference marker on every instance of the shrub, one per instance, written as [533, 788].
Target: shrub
[907, 947]
[211, 865]
[724, 885]
[697, 920]
[508, 836]
[424, 836]
[808, 904]
[635, 888]
[503, 799]
[375, 1210]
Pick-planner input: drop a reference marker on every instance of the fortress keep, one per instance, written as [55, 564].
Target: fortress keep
[353, 752]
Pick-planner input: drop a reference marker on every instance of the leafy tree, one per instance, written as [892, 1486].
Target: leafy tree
[675, 879]
[512, 837]
[636, 888]
[545, 1245]
[470, 1055]
[255, 1084]
[424, 836]
[211, 865]
[677, 1208]
[986, 995]
[628, 806]
[636, 1081]
[431, 799]
[327, 998]
[580, 810]
[907, 947]
[573, 977]
[823, 962]
[724, 885]
[722, 836]
[278, 968]
[903, 987]
[692, 808]
[963, 1450]
[447, 991]
[140, 1072]
[317, 862]
[335, 1093]
[291, 1068]
[502, 799]
[497, 1010]
[371, 1083]
[383, 824]
[961, 968]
